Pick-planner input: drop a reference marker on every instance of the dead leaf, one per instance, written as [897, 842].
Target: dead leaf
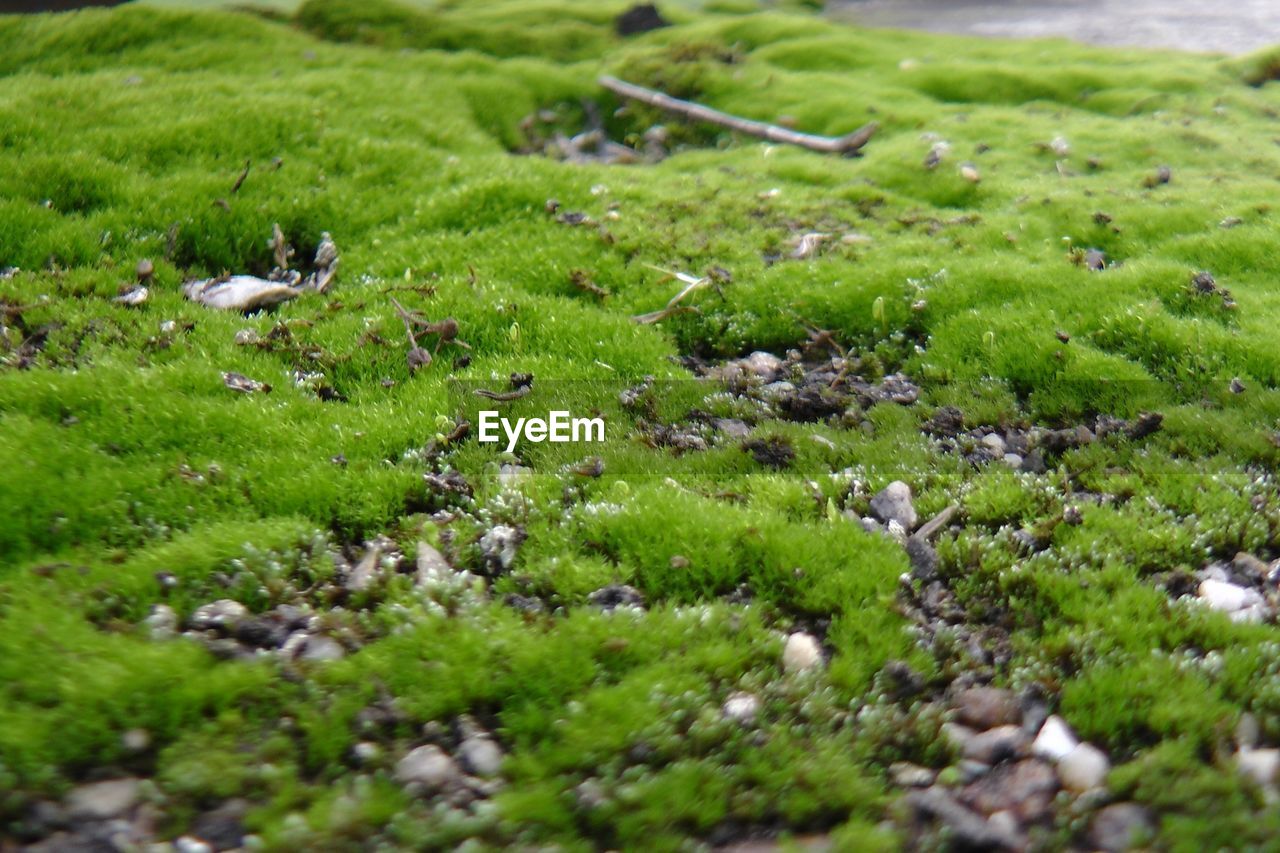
[243, 384]
[239, 293]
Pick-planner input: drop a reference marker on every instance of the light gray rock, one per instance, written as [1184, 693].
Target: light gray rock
[997, 744]
[427, 766]
[1227, 597]
[481, 756]
[317, 647]
[1054, 740]
[221, 615]
[801, 653]
[161, 622]
[986, 707]
[103, 800]
[763, 364]
[1083, 768]
[907, 775]
[742, 708]
[1120, 826]
[366, 572]
[191, 844]
[893, 503]
[432, 566]
[994, 442]
[1260, 765]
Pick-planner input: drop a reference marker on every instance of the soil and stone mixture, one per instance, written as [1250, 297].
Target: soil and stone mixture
[936, 508]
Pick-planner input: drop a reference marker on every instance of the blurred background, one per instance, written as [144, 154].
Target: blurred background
[1232, 27]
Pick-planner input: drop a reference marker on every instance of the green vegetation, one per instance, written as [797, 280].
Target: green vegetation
[397, 130]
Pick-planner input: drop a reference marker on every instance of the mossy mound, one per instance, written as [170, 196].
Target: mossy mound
[134, 477]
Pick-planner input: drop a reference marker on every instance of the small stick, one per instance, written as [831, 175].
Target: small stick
[503, 396]
[849, 145]
[931, 527]
[243, 175]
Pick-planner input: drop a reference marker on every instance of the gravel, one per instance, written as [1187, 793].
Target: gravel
[802, 653]
[893, 503]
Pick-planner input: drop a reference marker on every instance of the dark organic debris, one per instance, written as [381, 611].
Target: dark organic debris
[617, 595]
[243, 384]
[1162, 175]
[640, 18]
[772, 452]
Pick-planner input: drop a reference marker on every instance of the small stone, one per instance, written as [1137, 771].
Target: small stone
[802, 653]
[997, 744]
[191, 844]
[994, 442]
[246, 337]
[893, 503]
[986, 707]
[1121, 826]
[221, 615]
[136, 740]
[317, 647]
[429, 767]
[1005, 823]
[162, 622]
[957, 735]
[499, 546]
[223, 827]
[1055, 739]
[742, 708]
[366, 572]
[617, 595]
[145, 270]
[1013, 460]
[763, 364]
[1260, 765]
[366, 752]
[1025, 789]
[1227, 597]
[907, 775]
[103, 800]
[431, 566]
[481, 756]
[1084, 768]
[1247, 731]
[923, 558]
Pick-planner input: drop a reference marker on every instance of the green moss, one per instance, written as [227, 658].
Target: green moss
[392, 127]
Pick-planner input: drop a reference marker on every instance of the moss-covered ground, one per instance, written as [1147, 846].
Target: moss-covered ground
[132, 476]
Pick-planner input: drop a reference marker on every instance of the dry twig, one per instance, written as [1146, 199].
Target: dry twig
[849, 145]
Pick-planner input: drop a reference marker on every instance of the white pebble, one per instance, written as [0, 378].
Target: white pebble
[1055, 739]
[1227, 597]
[1084, 768]
[1260, 765]
[741, 708]
[802, 653]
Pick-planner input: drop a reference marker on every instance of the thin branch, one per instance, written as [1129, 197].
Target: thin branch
[849, 145]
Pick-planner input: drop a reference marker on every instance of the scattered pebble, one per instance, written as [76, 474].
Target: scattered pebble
[1120, 826]
[986, 707]
[429, 767]
[480, 755]
[103, 800]
[221, 615]
[742, 708]
[1083, 768]
[802, 653]
[893, 503]
[1055, 739]
[1260, 765]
